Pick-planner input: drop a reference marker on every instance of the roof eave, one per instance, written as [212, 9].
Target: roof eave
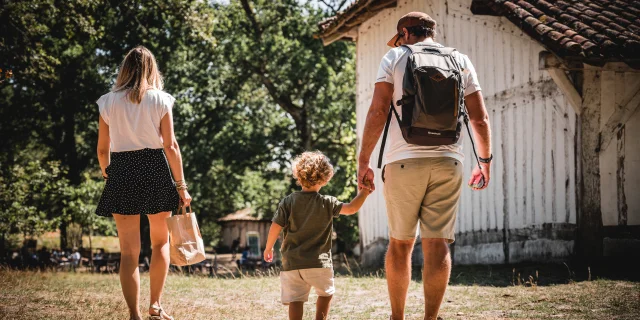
[344, 25]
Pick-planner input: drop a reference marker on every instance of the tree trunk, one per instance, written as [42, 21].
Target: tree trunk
[3, 248]
[590, 218]
[63, 235]
[304, 131]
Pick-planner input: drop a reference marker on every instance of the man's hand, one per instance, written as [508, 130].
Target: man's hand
[365, 176]
[477, 174]
[268, 255]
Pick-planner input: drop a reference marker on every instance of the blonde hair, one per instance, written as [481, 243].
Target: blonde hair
[138, 73]
[312, 168]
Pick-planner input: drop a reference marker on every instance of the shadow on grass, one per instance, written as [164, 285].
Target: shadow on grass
[527, 274]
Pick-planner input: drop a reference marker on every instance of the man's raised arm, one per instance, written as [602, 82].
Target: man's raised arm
[376, 118]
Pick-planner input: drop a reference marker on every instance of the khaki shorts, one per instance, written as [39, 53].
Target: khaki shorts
[425, 190]
[296, 284]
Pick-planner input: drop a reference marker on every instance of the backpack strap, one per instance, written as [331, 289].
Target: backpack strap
[392, 110]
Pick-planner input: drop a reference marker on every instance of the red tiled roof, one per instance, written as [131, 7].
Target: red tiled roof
[594, 31]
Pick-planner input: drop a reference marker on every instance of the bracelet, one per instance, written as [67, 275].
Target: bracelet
[181, 185]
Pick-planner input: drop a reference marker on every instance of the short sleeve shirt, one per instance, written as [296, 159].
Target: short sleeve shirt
[135, 126]
[391, 70]
[307, 222]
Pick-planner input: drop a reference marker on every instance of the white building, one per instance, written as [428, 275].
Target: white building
[561, 85]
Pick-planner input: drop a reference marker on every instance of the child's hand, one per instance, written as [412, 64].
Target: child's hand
[367, 189]
[268, 255]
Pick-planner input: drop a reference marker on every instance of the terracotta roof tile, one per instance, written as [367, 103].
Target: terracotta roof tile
[595, 31]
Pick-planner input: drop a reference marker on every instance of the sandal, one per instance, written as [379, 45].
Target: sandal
[158, 316]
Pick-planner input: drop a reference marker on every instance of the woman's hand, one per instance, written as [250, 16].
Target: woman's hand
[185, 198]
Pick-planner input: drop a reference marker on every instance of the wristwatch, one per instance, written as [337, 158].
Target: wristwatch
[486, 160]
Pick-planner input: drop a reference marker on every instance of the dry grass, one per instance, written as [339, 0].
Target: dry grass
[29, 295]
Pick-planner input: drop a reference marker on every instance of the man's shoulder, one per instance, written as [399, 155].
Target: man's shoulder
[396, 53]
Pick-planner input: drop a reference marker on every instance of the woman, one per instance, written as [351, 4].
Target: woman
[135, 142]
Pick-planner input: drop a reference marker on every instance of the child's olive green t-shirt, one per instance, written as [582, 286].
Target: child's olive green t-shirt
[307, 222]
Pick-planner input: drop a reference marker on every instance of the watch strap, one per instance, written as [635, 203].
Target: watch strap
[486, 160]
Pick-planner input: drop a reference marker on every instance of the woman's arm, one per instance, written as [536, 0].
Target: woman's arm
[103, 146]
[274, 232]
[355, 204]
[172, 151]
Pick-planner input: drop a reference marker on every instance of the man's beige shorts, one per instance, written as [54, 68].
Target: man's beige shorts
[296, 284]
[425, 190]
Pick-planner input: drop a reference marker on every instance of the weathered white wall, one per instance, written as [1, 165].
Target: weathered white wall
[533, 178]
[620, 161]
[233, 230]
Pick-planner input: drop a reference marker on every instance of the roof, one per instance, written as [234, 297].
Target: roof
[338, 27]
[592, 31]
[241, 215]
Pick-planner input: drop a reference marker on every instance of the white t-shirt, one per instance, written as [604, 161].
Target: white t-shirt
[135, 126]
[391, 70]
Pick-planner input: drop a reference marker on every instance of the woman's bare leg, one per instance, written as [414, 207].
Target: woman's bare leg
[129, 237]
[159, 256]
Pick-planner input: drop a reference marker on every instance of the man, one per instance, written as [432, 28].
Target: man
[421, 183]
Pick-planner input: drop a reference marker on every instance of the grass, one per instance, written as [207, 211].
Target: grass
[62, 295]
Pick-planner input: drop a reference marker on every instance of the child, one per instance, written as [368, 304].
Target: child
[307, 219]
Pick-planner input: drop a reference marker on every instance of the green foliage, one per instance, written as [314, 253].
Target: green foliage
[29, 196]
[253, 86]
[80, 203]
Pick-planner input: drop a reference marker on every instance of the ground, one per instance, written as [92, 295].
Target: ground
[68, 295]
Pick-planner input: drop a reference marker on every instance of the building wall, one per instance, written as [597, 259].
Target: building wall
[233, 230]
[532, 192]
[620, 161]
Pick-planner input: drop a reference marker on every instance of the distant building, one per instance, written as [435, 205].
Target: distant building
[561, 82]
[236, 225]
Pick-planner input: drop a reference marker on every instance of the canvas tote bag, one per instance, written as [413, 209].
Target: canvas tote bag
[185, 240]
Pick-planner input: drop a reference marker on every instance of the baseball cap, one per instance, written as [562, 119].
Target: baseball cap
[411, 19]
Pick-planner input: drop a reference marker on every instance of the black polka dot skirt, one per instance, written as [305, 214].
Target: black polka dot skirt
[139, 182]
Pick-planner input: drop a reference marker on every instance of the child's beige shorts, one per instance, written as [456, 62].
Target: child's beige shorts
[424, 190]
[296, 284]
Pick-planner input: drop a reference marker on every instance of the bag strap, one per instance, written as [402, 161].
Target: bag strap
[465, 112]
[392, 110]
[183, 209]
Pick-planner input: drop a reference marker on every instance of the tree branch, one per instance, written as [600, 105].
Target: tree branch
[257, 31]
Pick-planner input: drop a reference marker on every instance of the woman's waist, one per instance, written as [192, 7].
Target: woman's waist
[138, 154]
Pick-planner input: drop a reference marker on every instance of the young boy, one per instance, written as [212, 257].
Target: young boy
[307, 219]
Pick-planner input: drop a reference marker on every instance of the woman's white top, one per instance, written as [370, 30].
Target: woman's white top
[135, 126]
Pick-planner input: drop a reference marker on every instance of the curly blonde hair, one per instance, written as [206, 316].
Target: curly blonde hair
[312, 168]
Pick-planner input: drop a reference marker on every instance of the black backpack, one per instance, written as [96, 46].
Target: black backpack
[432, 99]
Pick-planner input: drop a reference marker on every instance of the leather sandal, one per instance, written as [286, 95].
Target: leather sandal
[158, 316]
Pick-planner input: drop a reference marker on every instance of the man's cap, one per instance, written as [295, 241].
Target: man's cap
[411, 19]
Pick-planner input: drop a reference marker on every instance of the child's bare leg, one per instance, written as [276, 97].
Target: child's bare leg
[296, 310]
[322, 307]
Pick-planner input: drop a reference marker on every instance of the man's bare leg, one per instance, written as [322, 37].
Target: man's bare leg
[296, 310]
[435, 275]
[322, 307]
[398, 268]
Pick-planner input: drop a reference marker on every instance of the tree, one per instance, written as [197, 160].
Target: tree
[253, 88]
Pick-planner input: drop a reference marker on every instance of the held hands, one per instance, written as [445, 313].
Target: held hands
[365, 176]
[268, 255]
[477, 175]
